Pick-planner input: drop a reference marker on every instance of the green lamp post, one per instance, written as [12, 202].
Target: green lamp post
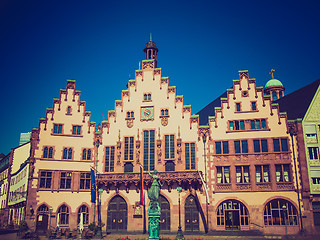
[179, 233]
[99, 232]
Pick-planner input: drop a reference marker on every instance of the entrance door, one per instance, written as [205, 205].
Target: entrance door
[232, 219]
[191, 215]
[165, 214]
[42, 222]
[42, 218]
[117, 214]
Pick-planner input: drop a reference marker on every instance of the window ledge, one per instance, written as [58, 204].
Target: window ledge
[65, 135]
[248, 130]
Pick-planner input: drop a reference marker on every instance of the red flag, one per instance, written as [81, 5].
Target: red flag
[141, 183]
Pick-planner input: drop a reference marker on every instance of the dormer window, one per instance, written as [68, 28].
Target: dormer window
[253, 106]
[147, 97]
[238, 107]
[130, 114]
[164, 112]
[68, 110]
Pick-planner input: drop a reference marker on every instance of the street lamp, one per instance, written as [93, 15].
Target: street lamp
[284, 208]
[179, 233]
[99, 232]
[50, 212]
[204, 139]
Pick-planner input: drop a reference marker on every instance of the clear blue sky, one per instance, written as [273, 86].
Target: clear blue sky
[202, 45]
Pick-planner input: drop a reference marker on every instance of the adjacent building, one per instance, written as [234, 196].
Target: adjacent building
[303, 112]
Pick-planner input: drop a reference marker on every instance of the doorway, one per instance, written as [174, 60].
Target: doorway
[191, 215]
[117, 214]
[165, 214]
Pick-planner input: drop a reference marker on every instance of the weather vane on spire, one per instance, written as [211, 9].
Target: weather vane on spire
[271, 72]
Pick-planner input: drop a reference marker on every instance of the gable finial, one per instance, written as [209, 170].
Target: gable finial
[150, 36]
[271, 72]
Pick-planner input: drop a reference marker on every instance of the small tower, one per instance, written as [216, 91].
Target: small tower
[151, 51]
[274, 88]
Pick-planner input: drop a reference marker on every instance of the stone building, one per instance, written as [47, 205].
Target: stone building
[238, 147]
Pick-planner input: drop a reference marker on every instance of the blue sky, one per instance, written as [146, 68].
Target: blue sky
[202, 45]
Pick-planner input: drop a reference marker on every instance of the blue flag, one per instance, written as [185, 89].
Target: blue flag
[93, 187]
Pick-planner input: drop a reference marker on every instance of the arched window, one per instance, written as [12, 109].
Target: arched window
[85, 214]
[280, 212]
[45, 152]
[165, 213]
[149, 97]
[43, 208]
[84, 154]
[132, 114]
[63, 215]
[170, 167]
[89, 154]
[50, 152]
[65, 153]
[70, 153]
[166, 112]
[232, 214]
[162, 112]
[274, 96]
[128, 114]
[145, 97]
[69, 110]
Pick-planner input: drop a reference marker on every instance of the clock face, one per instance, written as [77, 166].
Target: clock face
[146, 113]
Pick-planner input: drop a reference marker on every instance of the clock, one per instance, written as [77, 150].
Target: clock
[146, 113]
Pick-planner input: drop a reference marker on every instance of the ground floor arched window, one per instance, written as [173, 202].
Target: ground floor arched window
[63, 215]
[232, 214]
[84, 211]
[280, 212]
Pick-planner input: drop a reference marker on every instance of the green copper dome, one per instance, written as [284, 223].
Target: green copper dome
[273, 82]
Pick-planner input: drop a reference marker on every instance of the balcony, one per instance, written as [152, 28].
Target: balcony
[125, 180]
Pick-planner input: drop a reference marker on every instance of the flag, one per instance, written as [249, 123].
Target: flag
[205, 187]
[93, 187]
[141, 182]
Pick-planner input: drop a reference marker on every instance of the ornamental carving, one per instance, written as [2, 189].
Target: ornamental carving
[164, 121]
[130, 123]
[189, 179]
[157, 72]
[178, 99]
[186, 109]
[171, 90]
[125, 93]
[132, 83]
[159, 153]
[138, 151]
[179, 149]
[164, 80]
[149, 64]
[138, 73]
[70, 85]
[243, 75]
[118, 103]
[112, 114]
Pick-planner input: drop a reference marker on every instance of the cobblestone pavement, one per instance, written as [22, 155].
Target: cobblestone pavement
[13, 236]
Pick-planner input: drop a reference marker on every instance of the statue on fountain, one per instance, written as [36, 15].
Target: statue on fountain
[154, 210]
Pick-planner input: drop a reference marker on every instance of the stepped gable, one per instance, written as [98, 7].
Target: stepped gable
[297, 103]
